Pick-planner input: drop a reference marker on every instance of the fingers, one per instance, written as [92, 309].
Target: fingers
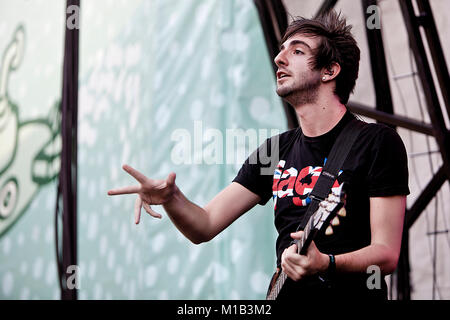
[297, 235]
[136, 174]
[124, 190]
[169, 182]
[292, 249]
[150, 211]
[294, 274]
[290, 267]
[171, 179]
[138, 204]
[290, 272]
[137, 209]
[291, 256]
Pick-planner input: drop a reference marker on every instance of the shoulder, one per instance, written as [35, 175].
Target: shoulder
[379, 133]
[383, 145]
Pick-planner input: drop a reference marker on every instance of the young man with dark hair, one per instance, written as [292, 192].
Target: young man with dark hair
[317, 69]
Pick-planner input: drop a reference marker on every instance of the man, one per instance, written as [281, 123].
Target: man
[317, 70]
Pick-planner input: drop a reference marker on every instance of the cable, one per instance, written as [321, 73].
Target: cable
[59, 262]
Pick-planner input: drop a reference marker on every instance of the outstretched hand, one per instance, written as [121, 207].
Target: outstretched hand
[149, 192]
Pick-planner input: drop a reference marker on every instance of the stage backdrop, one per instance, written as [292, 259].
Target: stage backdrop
[31, 44]
[184, 86]
[163, 84]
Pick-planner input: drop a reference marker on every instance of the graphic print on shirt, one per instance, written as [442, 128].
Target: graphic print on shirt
[295, 184]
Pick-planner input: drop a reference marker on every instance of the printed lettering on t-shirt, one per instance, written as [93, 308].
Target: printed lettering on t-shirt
[295, 184]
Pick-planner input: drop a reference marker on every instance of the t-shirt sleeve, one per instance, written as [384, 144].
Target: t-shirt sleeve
[388, 172]
[256, 173]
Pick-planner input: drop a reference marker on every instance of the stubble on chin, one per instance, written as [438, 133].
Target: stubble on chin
[284, 92]
[305, 94]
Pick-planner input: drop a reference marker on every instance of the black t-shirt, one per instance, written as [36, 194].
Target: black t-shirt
[376, 166]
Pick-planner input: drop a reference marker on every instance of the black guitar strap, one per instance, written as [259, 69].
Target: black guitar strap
[333, 165]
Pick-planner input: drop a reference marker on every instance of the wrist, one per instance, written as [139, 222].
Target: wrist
[325, 264]
[173, 198]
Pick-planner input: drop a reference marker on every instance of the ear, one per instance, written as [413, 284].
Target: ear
[331, 72]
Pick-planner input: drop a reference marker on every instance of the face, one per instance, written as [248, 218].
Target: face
[296, 81]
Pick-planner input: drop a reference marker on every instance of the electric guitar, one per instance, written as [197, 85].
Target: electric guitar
[324, 217]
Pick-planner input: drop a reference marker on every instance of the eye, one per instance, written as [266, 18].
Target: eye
[297, 51]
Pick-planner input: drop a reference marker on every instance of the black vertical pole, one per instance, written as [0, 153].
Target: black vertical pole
[434, 45]
[378, 65]
[274, 22]
[442, 135]
[402, 274]
[326, 6]
[67, 188]
[441, 132]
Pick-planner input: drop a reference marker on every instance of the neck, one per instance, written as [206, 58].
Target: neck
[320, 116]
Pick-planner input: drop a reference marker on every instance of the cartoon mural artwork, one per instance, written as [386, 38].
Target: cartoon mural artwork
[29, 150]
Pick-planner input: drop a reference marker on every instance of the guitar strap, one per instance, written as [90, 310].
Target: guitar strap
[332, 166]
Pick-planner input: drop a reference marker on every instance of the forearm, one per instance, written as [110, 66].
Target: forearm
[189, 218]
[196, 223]
[374, 254]
[386, 219]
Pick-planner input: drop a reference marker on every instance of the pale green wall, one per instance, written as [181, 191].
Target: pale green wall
[147, 69]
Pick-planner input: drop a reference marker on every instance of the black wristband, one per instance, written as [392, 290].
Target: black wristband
[332, 266]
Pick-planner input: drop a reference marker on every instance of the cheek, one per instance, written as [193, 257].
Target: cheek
[311, 75]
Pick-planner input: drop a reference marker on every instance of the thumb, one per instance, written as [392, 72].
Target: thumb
[171, 179]
[297, 235]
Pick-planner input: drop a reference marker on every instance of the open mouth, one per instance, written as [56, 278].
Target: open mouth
[281, 75]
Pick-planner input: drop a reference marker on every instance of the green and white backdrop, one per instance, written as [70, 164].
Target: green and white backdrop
[152, 72]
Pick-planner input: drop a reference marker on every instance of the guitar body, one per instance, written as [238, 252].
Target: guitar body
[308, 288]
[328, 210]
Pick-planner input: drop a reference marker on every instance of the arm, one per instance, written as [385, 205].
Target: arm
[386, 224]
[202, 224]
[196, 223]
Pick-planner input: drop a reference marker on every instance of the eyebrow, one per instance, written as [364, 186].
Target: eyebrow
[296, 42]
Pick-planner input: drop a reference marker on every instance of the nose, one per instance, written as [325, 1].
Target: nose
[280, 59]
